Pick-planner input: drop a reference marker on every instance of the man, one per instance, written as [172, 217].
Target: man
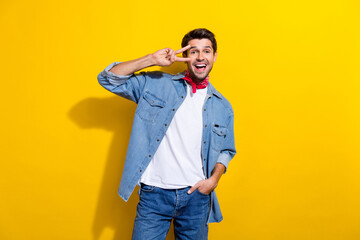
[181, 142]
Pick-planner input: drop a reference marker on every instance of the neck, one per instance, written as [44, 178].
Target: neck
[196, 83]
[196, 80]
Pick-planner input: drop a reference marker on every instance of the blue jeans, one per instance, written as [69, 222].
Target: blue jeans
[157, 207]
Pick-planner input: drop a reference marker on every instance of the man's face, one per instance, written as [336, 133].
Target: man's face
[202, 58]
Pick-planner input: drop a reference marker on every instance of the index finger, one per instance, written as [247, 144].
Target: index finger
[180, 59]
[182, 49]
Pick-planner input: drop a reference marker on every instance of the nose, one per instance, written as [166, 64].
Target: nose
[200, 57]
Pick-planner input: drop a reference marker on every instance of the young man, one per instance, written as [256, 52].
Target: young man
[181, 142]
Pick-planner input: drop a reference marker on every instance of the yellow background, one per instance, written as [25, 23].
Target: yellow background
[289, 68]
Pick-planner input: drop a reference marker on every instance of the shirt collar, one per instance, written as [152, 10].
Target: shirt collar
[211, 89]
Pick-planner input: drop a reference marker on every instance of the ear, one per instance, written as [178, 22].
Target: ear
[215, 56]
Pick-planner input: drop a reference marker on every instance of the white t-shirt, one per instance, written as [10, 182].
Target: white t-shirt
[177, 162]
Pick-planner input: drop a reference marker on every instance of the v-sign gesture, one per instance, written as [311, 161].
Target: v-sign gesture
[167, 56]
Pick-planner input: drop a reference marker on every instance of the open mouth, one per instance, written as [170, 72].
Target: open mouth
[200, 67]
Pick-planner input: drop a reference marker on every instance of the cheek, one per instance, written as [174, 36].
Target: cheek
[191, 61]
[188, 64]
[211, 60]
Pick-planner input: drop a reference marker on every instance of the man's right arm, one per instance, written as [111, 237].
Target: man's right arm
[118, 77]
[127, 68]
[163, 57]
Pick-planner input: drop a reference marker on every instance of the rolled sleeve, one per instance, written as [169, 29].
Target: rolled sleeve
[228, 151]
[127, 86]
[224, 159]
[114, 79]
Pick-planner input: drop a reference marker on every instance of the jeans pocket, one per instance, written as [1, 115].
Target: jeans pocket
[146, 188]
[203, 194]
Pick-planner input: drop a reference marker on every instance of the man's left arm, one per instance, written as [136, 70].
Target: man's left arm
[208, 185]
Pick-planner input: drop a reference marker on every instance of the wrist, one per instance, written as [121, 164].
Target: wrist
[152, 60]
[214, 180]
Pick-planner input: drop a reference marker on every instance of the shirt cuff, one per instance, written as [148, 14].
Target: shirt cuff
[224, 159]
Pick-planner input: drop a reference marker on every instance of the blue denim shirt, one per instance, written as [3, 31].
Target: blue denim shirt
[158, 95]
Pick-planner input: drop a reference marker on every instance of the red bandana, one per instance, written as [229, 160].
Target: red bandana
[200, 85]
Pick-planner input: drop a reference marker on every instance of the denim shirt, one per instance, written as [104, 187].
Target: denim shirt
[158, 95]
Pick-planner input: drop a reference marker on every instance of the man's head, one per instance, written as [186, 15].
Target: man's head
[199, 33]
[202, 52]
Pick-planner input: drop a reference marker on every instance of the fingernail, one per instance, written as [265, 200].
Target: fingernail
[188, 192]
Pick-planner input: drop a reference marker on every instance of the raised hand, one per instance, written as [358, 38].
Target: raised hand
[167, 56]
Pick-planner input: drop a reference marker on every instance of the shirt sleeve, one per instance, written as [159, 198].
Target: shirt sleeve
[228, 150]
[127, 86]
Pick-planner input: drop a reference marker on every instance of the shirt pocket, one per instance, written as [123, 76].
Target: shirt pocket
[150, 107]
[218, 135]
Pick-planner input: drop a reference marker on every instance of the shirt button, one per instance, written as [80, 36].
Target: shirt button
[165, 124]
[204, 109]
[149, 155]
[182, 96]
[173, 109]
[204, 142]
[205, 125]
[140, 170]
[158, 140]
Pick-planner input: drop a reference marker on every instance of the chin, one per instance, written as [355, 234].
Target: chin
[201, 78]
[198, 76]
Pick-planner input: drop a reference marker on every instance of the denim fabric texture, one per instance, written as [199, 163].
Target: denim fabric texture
[158, 95]
[157, 207]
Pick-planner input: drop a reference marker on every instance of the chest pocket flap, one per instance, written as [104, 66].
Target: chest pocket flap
[220, 130]
[153, 100]
[150, 107]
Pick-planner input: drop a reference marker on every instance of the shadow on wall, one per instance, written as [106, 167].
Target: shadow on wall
[113, 114]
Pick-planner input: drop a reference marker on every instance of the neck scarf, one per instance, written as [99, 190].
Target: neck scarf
[200, 85]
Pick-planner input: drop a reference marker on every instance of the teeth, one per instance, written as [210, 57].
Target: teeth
[201, 65]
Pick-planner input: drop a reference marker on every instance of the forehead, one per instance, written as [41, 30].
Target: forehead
[200, 43]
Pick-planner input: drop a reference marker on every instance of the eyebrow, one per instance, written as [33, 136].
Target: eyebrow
[197, 47]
